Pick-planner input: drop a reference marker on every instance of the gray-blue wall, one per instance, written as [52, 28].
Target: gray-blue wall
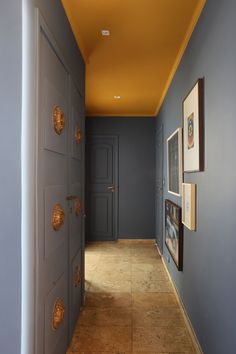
[207, 284]
[10, 175]
[136, 171]
[10, 150]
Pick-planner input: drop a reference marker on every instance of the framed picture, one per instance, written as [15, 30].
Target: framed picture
[174, 163]
[189, 206]
[193, 144]
[174, 232]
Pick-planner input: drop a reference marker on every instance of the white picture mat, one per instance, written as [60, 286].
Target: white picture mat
[180, 159]
[188, 205]
[191, 105]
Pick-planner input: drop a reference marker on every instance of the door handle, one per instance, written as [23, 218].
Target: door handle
[111, 188]
[71, 197]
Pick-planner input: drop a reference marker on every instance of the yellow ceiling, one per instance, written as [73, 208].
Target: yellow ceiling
[138, 60]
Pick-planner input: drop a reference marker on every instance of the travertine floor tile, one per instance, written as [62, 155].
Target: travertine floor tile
[113, 270]
[119, 249]
[103, 300]
[143, 253]
[79, 352]
[154, 267]
[110, 285]
[107, 258]
[107, 339]
[130, 306]
[114, 316]
[154, 300]
[116, 352]
[145, 258]
[161, 339]
[144, 271]
[150, 285]
[159, 317]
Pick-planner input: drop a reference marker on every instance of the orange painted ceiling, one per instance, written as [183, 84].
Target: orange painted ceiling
[139, 58]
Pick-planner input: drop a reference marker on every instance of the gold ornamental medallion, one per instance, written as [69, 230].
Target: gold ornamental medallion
[78, 136]
[58, 313]
[58, 217]
[58, 120]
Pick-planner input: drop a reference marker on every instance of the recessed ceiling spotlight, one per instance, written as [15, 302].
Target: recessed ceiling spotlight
[105, 32]
[117, 97]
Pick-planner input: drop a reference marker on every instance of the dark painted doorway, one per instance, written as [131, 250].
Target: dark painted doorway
[159, 188]
[102, 188]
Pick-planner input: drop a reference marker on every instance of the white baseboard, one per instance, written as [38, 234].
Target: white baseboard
[187, 321]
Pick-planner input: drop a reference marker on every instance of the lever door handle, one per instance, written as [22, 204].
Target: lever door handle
[71, 197]
[111, 188]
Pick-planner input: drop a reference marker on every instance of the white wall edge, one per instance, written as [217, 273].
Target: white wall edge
[28, 175]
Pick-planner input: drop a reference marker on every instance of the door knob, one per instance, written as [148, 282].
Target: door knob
[111, 188]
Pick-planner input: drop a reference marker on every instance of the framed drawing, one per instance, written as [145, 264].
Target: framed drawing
[174, 163]
[189, 206]
[193, 129]
[174, 232]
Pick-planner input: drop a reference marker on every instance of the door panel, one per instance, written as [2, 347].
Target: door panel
[76, 287]
[54, 318]
[75, 219]
[101, 219]
[52, 141]
[102, 188]
[54, 86]
[77, 131]
[101, 166]
[60, 203]
[55, 218]
[52, 244]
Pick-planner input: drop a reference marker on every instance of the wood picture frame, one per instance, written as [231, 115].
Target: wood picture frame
[175, 163]
[174, 232]
[193, 135]
[189, 205]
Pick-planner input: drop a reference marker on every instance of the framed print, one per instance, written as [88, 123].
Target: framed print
[193, 144]
[174, 232]
[174, 163]
[189, 206]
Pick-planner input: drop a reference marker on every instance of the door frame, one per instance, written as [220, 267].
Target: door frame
[116, 178]
[159, 131]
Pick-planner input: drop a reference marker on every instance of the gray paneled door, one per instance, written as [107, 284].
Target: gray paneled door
[159, 188]
[102, 188]
[60, 203]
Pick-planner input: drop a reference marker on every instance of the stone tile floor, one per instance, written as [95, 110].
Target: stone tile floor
[130, 306]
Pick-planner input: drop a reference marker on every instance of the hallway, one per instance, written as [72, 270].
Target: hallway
[130, 304]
